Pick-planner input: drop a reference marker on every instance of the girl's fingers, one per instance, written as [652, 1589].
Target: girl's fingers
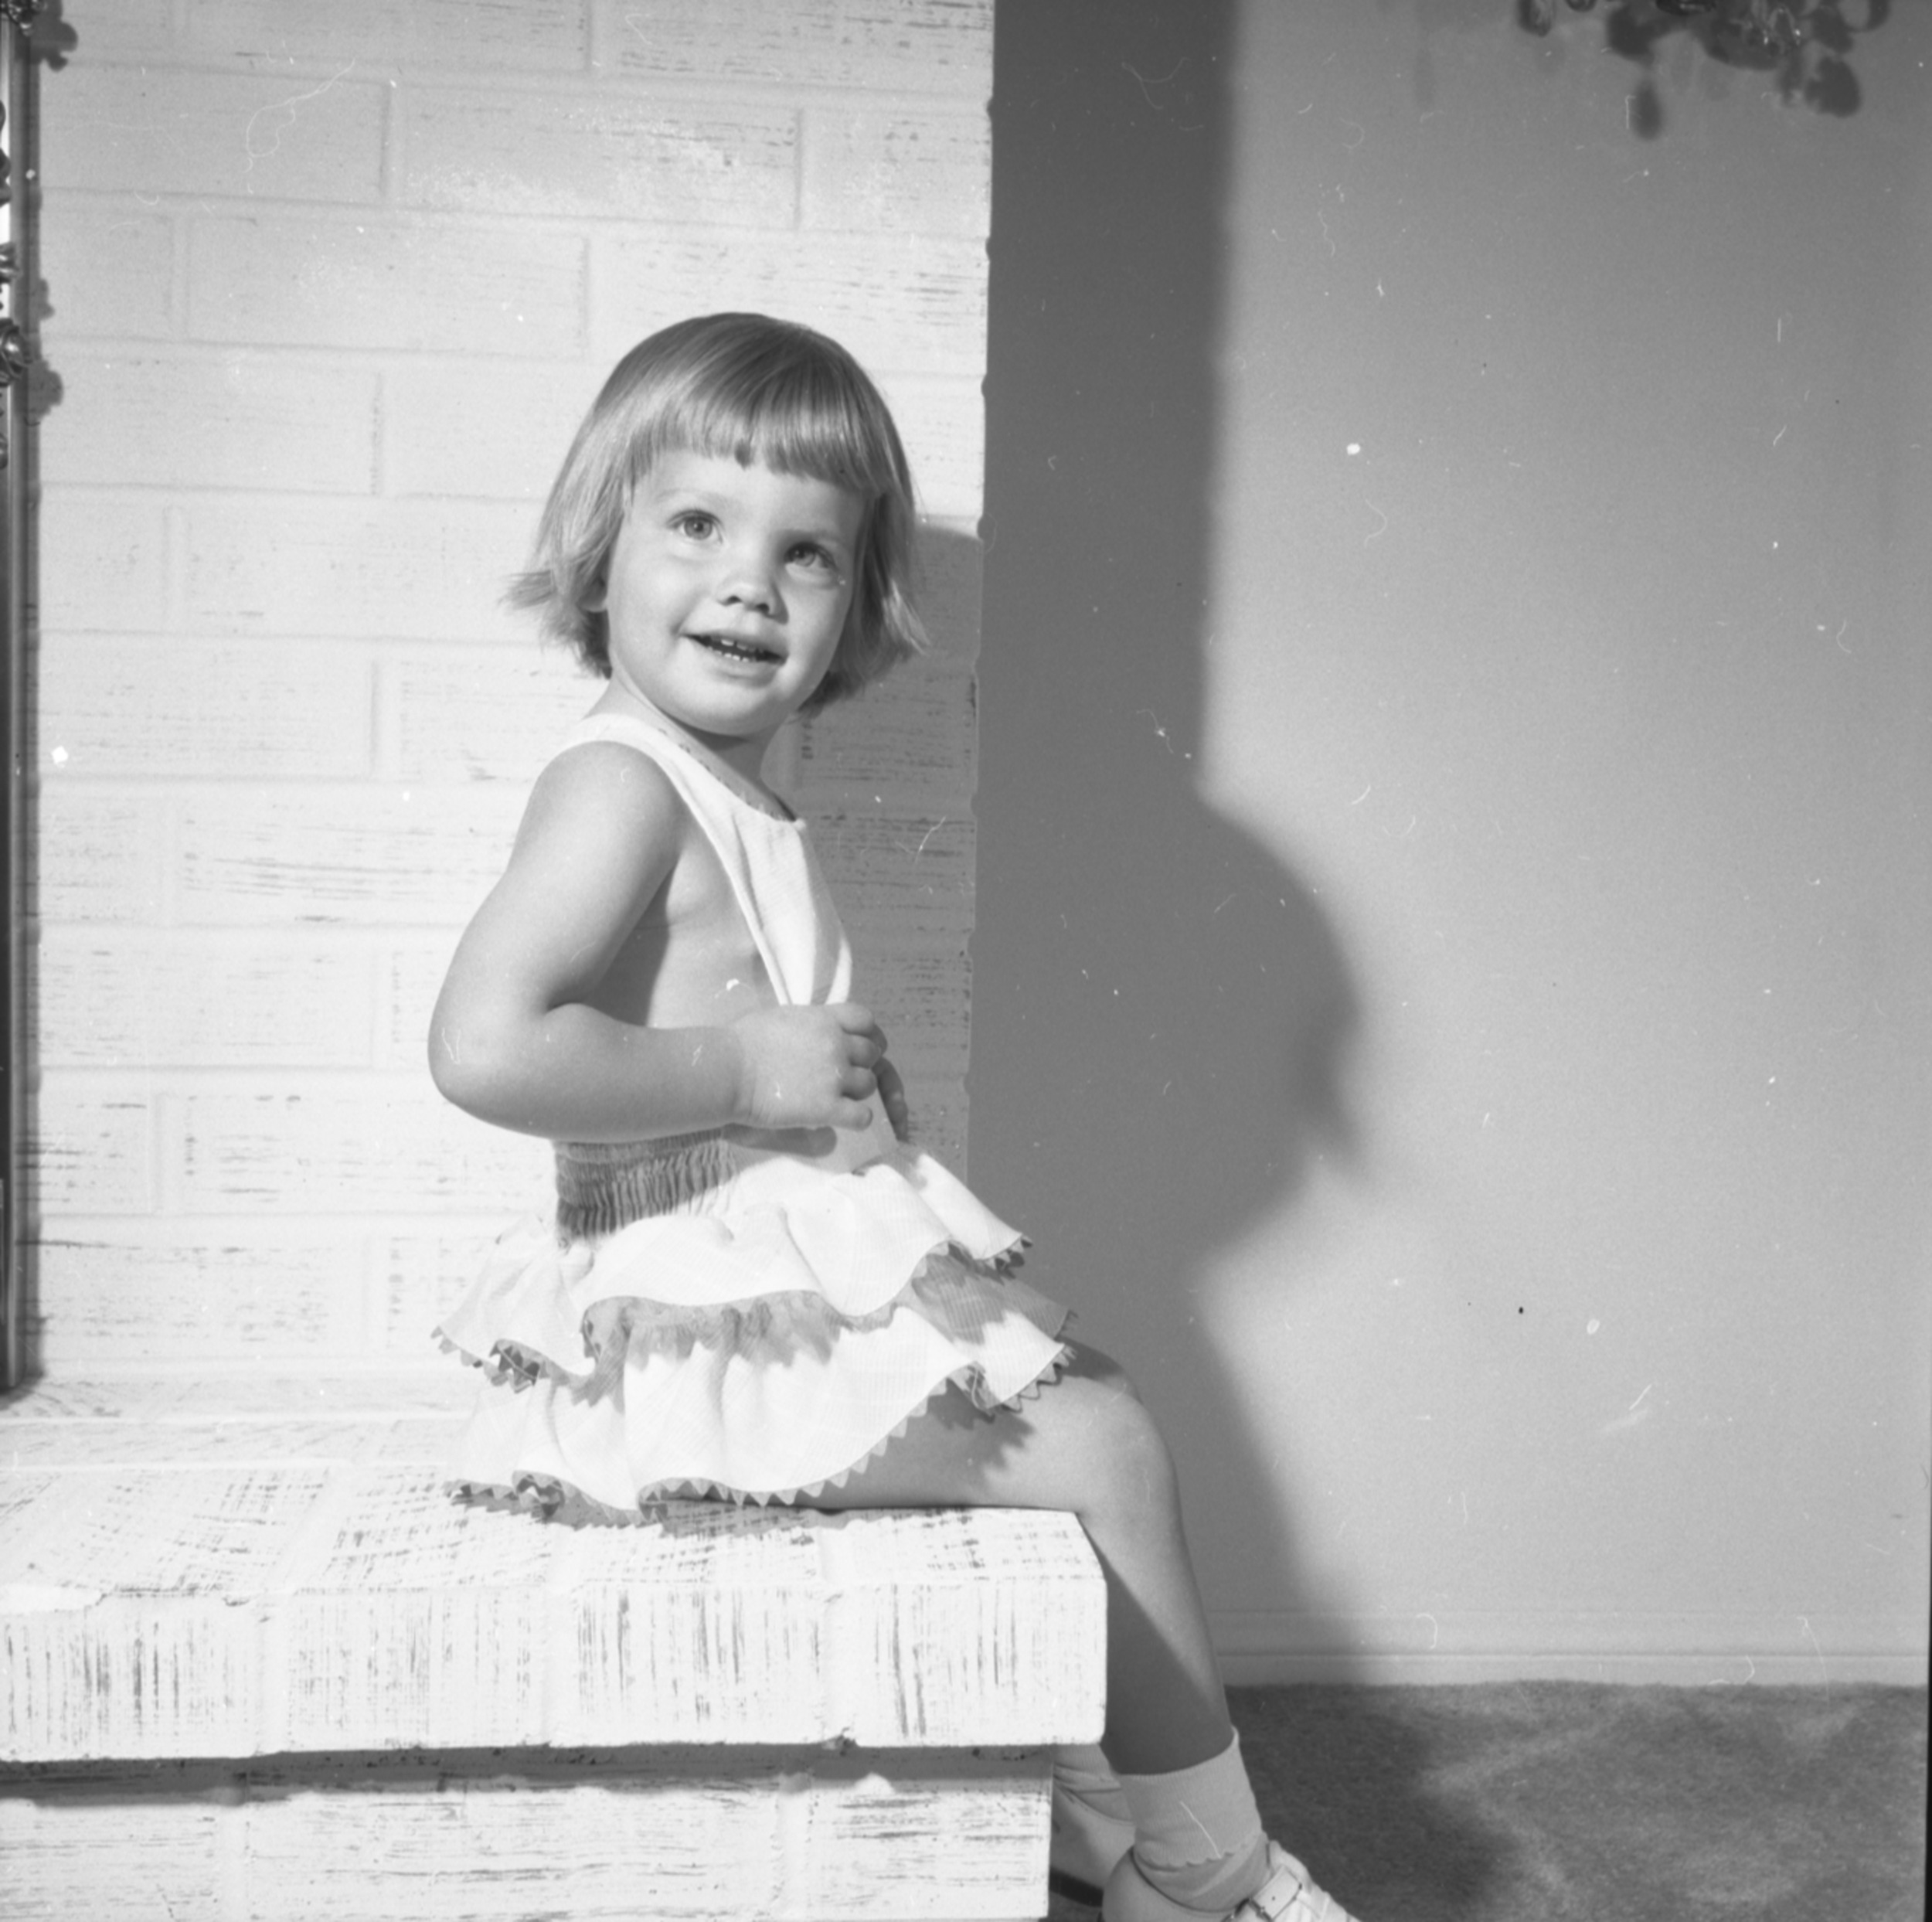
[818, 1075]
[866, 1050]
[845, 1113]
[857, 1021]
[892, 1091]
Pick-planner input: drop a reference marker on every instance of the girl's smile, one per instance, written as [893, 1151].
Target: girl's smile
[726, 593]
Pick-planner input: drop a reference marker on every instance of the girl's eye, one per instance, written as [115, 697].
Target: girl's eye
[806, 556]
[693, 526]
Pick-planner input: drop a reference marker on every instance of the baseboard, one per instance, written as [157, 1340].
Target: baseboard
[1266, 1646]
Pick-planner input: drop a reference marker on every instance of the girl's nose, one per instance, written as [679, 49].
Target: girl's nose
[748, 581]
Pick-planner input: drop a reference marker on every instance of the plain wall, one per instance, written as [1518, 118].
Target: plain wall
[1450, 987]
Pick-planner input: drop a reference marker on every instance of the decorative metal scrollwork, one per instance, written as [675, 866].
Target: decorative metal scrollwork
[13, 342]
[15, 16]
[13, 345]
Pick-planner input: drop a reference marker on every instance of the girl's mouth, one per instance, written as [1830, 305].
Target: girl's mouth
[731, 650]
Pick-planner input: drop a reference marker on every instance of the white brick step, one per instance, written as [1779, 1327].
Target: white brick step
[664, 1834]
[183, 1582]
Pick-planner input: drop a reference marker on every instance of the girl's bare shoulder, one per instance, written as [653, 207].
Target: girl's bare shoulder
[607, 800]
[603, 834]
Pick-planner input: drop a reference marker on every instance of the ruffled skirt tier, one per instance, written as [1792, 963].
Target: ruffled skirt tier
[755, 1317]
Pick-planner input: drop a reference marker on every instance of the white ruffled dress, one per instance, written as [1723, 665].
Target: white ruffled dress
[733, 1313]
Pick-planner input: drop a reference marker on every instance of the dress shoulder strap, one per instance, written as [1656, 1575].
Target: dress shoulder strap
[767, 857]
[674, 757]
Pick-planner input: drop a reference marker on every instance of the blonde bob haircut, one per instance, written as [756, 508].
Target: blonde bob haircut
[754, 389]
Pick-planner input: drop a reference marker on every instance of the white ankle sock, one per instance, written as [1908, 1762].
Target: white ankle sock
[1198, 1833]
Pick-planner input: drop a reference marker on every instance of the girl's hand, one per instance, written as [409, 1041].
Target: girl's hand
[892, 1091]
[814, 1067]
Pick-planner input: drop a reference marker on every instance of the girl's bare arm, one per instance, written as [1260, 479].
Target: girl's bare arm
[516, 1039]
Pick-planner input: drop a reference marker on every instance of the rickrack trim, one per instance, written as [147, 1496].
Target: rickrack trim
[549, 1498]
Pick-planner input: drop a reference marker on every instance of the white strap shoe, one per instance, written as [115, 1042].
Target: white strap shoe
[1289, 1895]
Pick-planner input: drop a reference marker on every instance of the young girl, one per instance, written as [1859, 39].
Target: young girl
[752, 1289]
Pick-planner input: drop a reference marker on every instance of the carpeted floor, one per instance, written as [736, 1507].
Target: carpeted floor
[1571, 1802]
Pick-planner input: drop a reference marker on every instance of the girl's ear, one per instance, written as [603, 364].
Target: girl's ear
[597, 596]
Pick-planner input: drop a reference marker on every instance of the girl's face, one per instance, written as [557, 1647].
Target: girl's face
[726, 593]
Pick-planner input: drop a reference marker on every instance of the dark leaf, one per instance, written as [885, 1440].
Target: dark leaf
[1834, 88]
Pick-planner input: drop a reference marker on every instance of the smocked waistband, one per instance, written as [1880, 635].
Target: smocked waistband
[602, 1187]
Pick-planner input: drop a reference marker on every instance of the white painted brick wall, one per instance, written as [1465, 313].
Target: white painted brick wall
[329, 289]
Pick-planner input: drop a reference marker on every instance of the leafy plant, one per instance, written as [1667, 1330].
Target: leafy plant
[1806, 44]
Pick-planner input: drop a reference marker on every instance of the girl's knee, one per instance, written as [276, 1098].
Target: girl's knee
[1117, 1449]
[1096, 1372]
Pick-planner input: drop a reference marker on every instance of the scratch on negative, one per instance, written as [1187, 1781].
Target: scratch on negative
[1206, 1836]
[1380, 531]
[283, 107]
[928, 835]
[1145, 82]
[1804, 1622]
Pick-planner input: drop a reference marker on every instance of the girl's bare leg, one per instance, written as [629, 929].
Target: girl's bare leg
[1086, 1443]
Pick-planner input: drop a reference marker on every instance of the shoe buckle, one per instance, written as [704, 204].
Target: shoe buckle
[1275, 1908]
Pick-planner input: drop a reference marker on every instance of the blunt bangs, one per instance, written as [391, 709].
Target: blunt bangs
[797, 418]
[758, 391]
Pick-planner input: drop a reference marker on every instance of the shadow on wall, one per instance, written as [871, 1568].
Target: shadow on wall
[1161, 1010]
